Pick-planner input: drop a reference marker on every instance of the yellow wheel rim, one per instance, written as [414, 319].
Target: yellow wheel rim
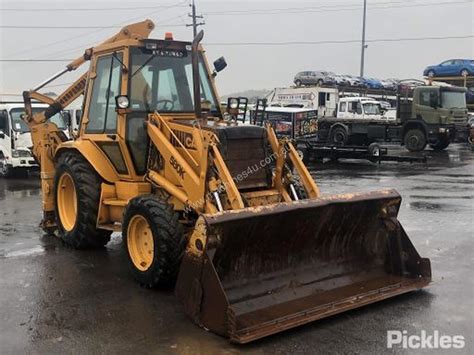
[67, 202]
[140, 242]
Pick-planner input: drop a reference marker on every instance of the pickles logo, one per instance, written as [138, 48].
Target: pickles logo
[401, 339]
[177, 166]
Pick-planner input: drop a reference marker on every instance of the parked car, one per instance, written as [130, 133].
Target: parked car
[372, 83]
[314, 78]
[407, 85]
[452, 67]
[354, 81]
[389, 84]
[339, 79]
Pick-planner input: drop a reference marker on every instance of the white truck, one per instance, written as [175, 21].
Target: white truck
[15, 138]
[324, 100]
[358, 108]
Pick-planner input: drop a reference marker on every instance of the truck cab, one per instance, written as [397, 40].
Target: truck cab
[15, 138]
[359, 108]
[438, 113]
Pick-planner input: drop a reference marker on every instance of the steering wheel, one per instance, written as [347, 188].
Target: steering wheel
[166, 103]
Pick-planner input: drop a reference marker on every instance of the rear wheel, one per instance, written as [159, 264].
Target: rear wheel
[154, 240]
[441, 143]
[464, 72]
[77, 197]
[320, 82]
[415, 140]
[303, 152]
[338, 136]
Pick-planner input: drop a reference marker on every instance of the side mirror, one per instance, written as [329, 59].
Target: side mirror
[219, 64]
[67, 118]
[2, 135]
[78, 117]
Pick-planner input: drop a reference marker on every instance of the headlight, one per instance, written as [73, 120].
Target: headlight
[233, 103]
[122, 101]
[15, 153]
[442, 130]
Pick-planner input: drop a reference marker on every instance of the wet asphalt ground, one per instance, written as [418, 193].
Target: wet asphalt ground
[57, 300]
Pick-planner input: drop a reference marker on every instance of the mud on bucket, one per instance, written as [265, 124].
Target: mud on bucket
[257, 271]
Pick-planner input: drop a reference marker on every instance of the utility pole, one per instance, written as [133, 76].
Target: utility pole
[193, 15]
[364, 46]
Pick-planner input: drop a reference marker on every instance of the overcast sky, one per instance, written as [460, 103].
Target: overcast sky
[230, 22]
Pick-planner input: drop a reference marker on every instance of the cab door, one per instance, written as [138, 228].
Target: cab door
[5, 133]
[100, 121]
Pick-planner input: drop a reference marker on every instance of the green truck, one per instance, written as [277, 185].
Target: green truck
[428, 115]
[437, 115]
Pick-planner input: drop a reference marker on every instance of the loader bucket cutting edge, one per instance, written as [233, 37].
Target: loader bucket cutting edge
[250, 273]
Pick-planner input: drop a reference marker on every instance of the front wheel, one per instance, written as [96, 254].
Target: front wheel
[77, 196]
[338, 136]
[298, 82]
[431, 73]
[5, 170]
[154, 241]
[415, 140]
[464, 72]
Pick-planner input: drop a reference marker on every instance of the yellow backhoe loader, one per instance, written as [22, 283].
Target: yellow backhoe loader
[226, 211]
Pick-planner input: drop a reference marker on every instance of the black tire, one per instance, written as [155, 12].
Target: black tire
[415, 140]
[168, 235]
[374, 150]
[440, 144]
[431, 73]
[303, 152]
[464, 72]
[320, 82]
[84, 234]
[338, 136]
[298, 82]
[5, 169]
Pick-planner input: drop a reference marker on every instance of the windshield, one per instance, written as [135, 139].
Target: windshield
[452, 99]
[371, 109]
[19, 125]
[163, 81]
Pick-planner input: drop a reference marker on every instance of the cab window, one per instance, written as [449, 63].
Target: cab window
[425, 98]
[102, 115]
[4, 122]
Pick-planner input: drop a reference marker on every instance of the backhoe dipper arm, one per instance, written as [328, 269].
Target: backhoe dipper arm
[46, 136]
[140, 30]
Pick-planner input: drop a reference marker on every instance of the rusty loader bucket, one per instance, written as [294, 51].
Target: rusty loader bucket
[250, 273]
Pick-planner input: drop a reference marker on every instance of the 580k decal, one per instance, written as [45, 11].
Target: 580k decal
[177, 166]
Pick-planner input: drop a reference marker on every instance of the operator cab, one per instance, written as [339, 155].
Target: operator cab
[130, 83]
